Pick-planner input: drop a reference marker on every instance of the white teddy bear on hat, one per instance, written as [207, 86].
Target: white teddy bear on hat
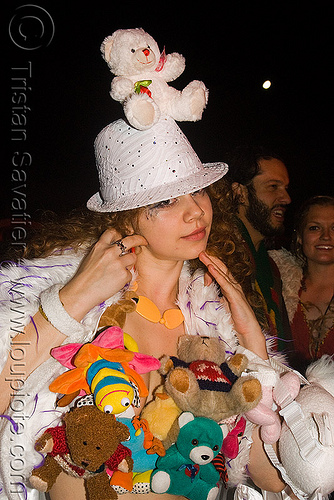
[142, 73]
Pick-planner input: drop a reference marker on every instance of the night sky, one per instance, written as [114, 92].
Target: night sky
[233, 47]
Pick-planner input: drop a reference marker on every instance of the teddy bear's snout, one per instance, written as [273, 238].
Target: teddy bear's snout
[144, 57]
[201, 455]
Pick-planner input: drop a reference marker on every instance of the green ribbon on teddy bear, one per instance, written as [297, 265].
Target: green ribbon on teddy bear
[141, 87]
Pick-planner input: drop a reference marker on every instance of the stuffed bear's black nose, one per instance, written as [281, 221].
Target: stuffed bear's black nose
[205, 457]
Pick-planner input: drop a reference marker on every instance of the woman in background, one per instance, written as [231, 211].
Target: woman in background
[308, 281]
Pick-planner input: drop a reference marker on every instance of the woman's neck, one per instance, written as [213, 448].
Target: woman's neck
[320, 275]
[158, 280]
[318, 286]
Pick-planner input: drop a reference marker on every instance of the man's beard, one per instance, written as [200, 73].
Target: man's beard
[259, 215]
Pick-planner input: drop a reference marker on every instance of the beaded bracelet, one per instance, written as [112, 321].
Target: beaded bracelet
[54, 312]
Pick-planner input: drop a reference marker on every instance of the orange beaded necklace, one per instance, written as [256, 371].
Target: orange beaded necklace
[171, 318]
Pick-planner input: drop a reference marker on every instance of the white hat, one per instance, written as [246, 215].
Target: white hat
[140, 167]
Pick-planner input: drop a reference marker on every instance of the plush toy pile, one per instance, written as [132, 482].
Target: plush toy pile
[88, 443]
[203, 381]
[142, 73]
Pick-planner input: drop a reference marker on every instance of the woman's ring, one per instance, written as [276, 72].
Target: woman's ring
[121, 245]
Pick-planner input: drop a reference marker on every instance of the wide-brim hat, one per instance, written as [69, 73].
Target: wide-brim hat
[139, 167]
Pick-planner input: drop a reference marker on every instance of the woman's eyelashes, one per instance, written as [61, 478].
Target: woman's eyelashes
[153, 209]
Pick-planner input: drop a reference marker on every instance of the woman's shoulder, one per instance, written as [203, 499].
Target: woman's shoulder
[21, 284]
[56, 265]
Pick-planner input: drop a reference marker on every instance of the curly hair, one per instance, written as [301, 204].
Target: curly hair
[82, 228]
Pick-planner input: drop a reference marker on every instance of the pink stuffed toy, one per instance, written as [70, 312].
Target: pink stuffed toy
[230, 448]
[275, 390]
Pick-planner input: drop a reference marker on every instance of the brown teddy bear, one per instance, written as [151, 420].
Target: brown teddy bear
[201, 381]
[115, 314]
[88, 442]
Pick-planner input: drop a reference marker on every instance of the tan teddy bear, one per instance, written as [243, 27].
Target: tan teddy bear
[200, 379]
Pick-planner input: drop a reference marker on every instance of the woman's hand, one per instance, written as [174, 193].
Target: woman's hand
[101, 274]
[246, 325]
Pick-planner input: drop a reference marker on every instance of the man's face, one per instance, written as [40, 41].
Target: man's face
[268, 198]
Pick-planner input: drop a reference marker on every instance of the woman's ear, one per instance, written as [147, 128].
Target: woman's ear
[239, 192]
[129, 229]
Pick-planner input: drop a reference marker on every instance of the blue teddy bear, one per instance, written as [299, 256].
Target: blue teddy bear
[186, 469]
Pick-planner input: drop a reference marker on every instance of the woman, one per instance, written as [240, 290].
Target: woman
[153, 213]
[308, 281]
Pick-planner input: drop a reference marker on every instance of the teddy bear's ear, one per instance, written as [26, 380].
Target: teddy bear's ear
[185, 418]
[122, 431]
[182, 340]
[106, 46]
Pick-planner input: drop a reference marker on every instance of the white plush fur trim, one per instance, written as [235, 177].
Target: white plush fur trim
[321, 372]
[57, 314]
[203, 311]
[291, 275]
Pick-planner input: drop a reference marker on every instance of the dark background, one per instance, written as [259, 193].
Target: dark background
[232, 46]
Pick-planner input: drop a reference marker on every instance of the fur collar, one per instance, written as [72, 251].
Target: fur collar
[291, 275]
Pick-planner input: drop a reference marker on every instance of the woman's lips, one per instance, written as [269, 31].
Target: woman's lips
[196, 235]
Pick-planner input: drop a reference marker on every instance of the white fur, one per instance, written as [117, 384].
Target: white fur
[203, 311]
[322, 373]
[291, 274]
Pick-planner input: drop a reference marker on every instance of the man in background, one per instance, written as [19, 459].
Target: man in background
[259, 181]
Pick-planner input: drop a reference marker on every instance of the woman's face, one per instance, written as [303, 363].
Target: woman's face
[177, 229]
[318, 234]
